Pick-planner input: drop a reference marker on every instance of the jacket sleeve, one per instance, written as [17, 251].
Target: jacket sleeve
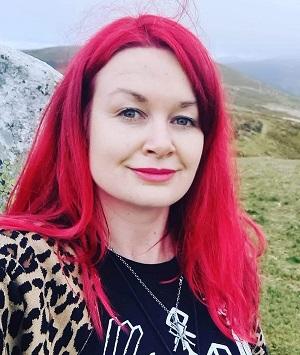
[11, 310]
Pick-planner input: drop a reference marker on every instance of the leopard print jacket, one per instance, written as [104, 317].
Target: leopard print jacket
[41, 303]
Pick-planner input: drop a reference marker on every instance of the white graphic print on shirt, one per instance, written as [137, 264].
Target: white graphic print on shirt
[113, 347]
[112, 338]
[243, 346]
[214, 349]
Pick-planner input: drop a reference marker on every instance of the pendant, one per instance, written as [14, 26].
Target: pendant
[177, 321]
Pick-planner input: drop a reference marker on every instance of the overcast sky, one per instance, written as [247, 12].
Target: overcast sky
[230, 28]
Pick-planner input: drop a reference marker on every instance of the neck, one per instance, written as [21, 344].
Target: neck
[137, 233]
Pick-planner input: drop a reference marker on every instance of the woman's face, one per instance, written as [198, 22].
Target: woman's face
[144, 115]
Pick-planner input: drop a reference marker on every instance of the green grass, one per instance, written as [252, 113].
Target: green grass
[271, 194]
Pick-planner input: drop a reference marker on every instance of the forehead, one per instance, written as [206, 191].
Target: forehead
[149, 71]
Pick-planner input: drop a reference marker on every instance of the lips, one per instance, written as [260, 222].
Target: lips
[154, 174]
[155, 171]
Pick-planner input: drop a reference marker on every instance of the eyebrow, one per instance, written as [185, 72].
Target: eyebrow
[140, 98]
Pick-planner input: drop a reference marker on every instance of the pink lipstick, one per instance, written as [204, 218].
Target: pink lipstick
[153, 174]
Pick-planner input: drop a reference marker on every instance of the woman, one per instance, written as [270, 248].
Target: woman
[123, 234]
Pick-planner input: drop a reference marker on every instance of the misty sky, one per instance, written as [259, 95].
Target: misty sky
[230, 28]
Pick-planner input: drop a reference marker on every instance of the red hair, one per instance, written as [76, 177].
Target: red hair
[55, 194]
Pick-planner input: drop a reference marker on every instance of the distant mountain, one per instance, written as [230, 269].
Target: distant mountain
[254, 95]
[57, 57]
[267, 120]
[245, 93]
[284, 74]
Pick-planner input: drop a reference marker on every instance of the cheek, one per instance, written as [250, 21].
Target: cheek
[99, 150]
[192, 151]
[109, 147]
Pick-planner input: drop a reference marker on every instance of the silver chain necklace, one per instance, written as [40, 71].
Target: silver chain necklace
[176, 319]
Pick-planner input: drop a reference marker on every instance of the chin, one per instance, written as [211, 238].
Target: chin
[155, 201]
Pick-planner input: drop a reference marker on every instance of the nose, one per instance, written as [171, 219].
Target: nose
[159, 140]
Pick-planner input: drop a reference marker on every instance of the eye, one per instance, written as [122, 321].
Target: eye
[130, 113]
[185, 121]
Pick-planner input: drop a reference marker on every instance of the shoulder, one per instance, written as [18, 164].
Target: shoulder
[39, 292]
[27, 249]
[31, 256]
[35, 253]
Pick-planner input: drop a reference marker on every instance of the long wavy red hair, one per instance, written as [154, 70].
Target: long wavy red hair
[218, 244]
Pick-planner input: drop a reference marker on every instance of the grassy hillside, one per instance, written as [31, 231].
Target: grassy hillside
[265, 134]
[271, 194]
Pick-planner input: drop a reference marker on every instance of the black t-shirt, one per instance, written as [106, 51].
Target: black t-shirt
[147, 331]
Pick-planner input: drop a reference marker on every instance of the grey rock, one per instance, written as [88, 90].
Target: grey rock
[26, 85]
